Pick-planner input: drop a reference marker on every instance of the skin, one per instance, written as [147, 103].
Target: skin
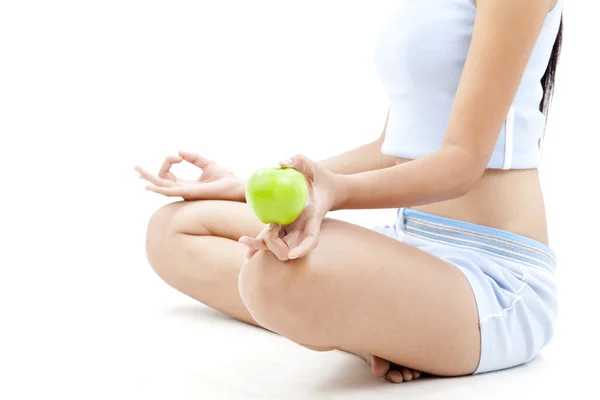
[331, 285]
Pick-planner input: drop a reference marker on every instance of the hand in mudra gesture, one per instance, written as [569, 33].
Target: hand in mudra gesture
[215, 182]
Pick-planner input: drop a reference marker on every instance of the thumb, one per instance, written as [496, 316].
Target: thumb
[302, 164]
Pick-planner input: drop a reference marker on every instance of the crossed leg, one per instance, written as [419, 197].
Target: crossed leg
[357, 290]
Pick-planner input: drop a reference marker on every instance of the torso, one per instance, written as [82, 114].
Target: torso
[508, 200]
[419, 57]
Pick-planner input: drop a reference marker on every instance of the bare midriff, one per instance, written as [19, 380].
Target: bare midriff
[510, 200]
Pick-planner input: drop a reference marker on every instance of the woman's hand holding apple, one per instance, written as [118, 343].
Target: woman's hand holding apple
[214, 183]
[299, 237]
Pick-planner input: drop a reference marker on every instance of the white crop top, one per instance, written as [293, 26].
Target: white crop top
[419, 57]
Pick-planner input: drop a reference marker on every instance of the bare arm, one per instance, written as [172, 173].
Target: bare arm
[504, 35]
[367, 157]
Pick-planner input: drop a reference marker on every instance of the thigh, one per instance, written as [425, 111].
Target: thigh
[192, 246]
[225, 219]
[362, 290]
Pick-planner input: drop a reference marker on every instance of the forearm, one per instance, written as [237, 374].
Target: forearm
[443, 175]
[367, 157]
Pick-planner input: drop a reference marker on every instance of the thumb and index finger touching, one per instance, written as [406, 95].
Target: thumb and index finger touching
[165, 169]
[195, 159]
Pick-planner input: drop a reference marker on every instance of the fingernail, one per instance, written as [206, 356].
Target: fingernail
[286, 161]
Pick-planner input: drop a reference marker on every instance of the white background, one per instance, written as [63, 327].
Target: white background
[88, 89]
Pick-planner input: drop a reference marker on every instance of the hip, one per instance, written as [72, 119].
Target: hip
[511, 276]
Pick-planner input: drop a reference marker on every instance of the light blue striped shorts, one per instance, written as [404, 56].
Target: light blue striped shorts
[512, 278]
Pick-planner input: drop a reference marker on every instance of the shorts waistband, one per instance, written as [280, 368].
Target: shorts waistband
[477, 237]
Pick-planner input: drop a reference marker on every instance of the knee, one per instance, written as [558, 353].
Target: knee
[159, 229]
[277, 295]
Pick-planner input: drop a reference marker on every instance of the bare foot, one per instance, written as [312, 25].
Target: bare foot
[385, 369]
[391, 372]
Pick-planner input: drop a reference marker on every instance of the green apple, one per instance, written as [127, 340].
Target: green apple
[277, 195]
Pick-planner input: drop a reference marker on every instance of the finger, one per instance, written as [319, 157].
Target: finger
[196, 159]
[253, 243]
[416, 374]
[173, 191]
[307, 244]
[250, 253]
[292, 239]
[302, 164]
[164, 171]
[196, 192]
[155, 180]
[311, 238]
[274, 242]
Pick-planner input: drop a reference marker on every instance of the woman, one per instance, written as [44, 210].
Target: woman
[462, 282]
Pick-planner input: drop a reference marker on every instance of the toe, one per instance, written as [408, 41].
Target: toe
[416, 374]
[406, 374]
[395, 376]
[379, 366]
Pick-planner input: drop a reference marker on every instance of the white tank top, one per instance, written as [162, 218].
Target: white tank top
[420, 55]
